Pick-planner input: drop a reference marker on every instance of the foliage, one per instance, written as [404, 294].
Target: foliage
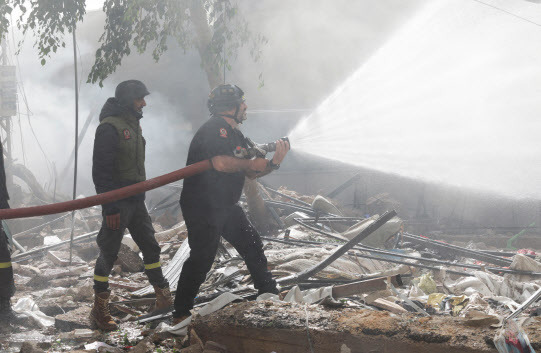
[139, 24]
[49, 20]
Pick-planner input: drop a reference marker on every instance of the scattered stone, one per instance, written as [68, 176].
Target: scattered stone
[75, 319]
[88, 251]
[145, 346]
[57, 306]
[62, 258]
[78, 334]
[387, 305]
[195, 348]
[194, 339]
[84, 293]
[212, 347]
[29, 271]
[129, 260]
[28, 347]
[166, 248]
[117, 270]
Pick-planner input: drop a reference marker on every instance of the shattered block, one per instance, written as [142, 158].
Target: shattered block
[129, 260]
[62, 258]
[88, 251]
[28, 347]
[523, 263]
[75, 319]
[145, 346]
[321, 204]
[195, 348]
[211, 346]
[379, 237]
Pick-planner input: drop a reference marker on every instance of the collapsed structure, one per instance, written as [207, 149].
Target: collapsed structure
[350, 283]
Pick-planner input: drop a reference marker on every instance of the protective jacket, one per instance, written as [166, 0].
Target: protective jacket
[213, 190]
[119, 152]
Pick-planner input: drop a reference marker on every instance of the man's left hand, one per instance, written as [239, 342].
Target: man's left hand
[282, 147]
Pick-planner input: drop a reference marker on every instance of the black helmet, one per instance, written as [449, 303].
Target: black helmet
[225, 97]
[128, 91]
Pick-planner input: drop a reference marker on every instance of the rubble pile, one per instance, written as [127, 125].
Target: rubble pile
[349, 284]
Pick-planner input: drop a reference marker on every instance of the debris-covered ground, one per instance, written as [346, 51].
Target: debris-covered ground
[347, 287]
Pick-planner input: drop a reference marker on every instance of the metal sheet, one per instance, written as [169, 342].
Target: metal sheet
[171, 272]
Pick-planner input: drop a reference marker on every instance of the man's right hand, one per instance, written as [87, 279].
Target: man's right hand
[113, 221]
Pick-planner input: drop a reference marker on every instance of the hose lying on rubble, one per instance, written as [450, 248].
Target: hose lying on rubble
[107, 197]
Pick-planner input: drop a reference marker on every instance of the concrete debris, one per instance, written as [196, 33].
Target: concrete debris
[74, 319]
[213, 347]
[391, 288]
[145, 346]
[322, 205]
[129, 260]
[28, 347]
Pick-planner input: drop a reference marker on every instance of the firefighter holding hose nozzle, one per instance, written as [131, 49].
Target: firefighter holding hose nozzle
[209, 200]
[118, 161]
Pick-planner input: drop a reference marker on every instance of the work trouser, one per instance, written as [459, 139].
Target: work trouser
[134, 216]
[7, 284]
[204, 230]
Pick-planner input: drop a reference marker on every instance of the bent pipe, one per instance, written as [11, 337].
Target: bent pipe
[109, 196]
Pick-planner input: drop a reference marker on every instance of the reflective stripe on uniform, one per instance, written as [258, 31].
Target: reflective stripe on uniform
[5, 264]
[152, 266]
[101, 278]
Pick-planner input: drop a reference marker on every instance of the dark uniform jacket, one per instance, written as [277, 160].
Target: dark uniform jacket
[212, 189]
[119, 152]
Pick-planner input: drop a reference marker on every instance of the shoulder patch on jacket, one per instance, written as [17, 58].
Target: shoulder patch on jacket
[223, 132]
[126, 133]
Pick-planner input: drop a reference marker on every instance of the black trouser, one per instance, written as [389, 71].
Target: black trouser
[7, 284]
[134, 216]
[204, 230]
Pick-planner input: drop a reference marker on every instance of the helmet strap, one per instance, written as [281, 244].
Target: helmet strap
[234, 116]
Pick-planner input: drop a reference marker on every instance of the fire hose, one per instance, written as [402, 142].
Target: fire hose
[107, 197]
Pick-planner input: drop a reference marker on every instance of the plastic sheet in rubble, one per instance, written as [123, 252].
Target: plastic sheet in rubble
[27, 307]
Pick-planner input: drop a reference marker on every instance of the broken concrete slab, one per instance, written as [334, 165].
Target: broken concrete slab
[30, 347]
[145, 346]
[129, 260]
[266, 327]
[390, 306]
[75, 319]
[322, 205]
[62, 258]
[213, 347]
[195, 348]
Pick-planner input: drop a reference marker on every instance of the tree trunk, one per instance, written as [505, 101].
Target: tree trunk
[256, 205]
[204, 37]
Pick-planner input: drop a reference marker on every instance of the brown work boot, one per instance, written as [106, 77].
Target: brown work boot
[164, 302]
[100, 316]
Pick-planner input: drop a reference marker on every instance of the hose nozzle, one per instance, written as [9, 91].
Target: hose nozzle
[271, 146]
